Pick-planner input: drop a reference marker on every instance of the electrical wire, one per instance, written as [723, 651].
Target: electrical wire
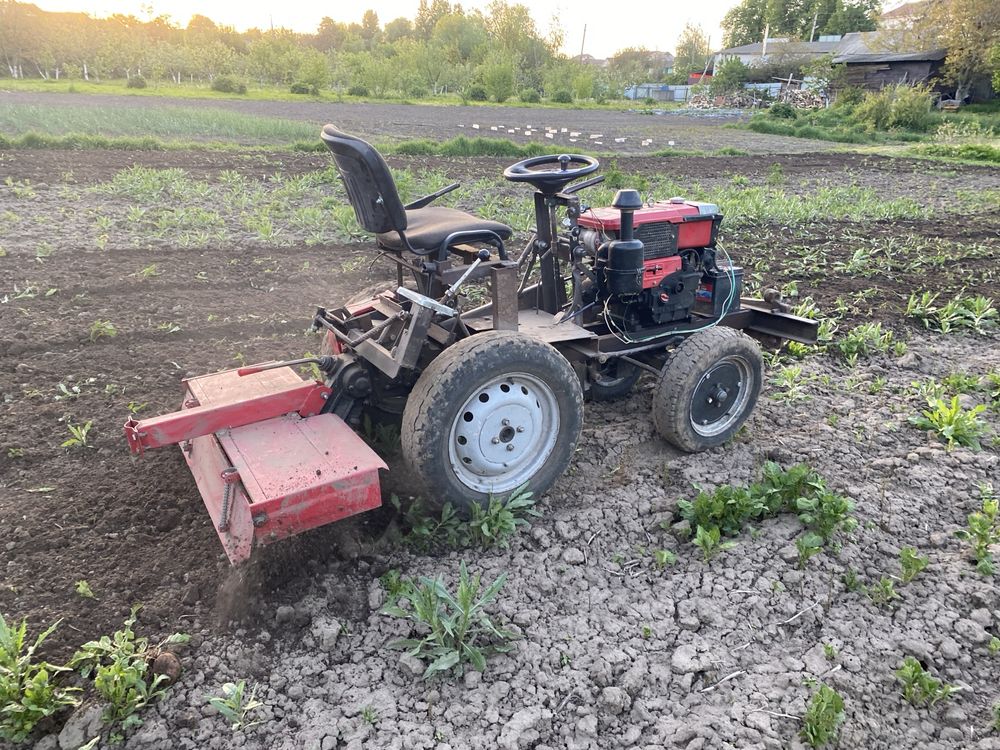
[727, 306]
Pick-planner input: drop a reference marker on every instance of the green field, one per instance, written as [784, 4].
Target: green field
[274, 93]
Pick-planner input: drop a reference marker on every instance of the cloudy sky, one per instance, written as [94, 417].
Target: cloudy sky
[610, 26]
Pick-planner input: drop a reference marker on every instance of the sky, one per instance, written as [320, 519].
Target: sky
[654, 24]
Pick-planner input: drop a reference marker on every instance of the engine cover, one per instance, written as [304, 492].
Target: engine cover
[673, 298]
[663, 227]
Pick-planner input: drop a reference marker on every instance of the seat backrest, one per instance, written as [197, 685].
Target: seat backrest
[369, 183]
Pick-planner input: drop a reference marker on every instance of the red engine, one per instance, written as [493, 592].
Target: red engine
[665, 228]
[676, 260]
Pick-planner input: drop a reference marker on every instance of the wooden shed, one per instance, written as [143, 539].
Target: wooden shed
[872, 63]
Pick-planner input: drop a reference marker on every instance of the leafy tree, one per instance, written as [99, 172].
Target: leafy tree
[744, 23]
[429, 14]
[968, 30]
[634, 65]
[371, 31]
[498, 78]
[399, 28]
[313, 69]
[692, 49]
[461, 37]
[860, 15]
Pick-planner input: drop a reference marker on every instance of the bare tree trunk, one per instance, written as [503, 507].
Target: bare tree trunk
[86, 75]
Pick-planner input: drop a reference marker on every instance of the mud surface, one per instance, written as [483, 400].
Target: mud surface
[615, 653]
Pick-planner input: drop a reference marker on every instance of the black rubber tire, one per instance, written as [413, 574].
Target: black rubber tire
[453, 378]
[682, 374]
[618, 386]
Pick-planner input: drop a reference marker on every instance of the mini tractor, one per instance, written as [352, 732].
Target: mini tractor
[488, 398]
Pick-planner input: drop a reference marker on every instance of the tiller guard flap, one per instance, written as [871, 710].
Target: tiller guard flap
[267, 463]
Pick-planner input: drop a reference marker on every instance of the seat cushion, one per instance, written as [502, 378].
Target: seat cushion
[427, 228]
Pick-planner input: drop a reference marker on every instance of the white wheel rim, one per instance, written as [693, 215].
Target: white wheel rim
[504, 433]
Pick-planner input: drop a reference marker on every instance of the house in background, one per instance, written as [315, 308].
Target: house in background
[776, 49]
[873, 59]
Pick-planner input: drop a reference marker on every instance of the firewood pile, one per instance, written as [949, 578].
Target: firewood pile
[743, 99]
[801, 98]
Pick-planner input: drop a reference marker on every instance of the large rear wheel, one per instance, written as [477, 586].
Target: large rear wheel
[491, 413]
[707, 389]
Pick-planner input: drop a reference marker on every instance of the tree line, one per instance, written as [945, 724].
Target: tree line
[497, 53]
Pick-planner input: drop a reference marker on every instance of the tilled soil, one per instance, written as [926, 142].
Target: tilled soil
[615, 653]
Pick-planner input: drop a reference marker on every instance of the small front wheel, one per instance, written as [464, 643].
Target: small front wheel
[707, 389]
[491, 413]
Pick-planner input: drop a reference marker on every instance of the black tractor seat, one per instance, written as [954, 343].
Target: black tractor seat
[430, 227]
[414, 227]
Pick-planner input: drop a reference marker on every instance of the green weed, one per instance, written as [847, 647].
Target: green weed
[919, 687]
[493, 525]
[79, 433]
[663, 557]
[501, 518]
[864, 341]
[236, 705]
[823, 717]
[807, 545]
[976, 313]
[83, 589]
[800, 489]
[950, 421]
[101, 328]
[983, 530]
[882, 593]
[121, 668]
[709, 541]
[911, 564]
[27, 692]
[457, 628]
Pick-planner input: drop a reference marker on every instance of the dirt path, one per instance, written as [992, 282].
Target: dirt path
[692, 131]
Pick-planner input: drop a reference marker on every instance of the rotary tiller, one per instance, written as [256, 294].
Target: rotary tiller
[487, 398]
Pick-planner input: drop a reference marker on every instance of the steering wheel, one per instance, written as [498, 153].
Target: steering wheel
[551, 173]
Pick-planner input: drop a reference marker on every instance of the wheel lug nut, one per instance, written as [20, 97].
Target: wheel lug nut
[520, 429]
[505, 422]
[496, 441]
[510, 446]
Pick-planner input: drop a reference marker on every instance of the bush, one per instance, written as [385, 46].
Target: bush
[136, 82]
[477, 93]
[562, 96]
[782, 111]
[529, 96]
[900, 106]
[970, 151]
[498, 78]
[228, 85]
[850, 96]
[304, 88]
[358, 90]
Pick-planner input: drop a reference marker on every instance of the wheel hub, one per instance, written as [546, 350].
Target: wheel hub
[720, 395]
[504, 433]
